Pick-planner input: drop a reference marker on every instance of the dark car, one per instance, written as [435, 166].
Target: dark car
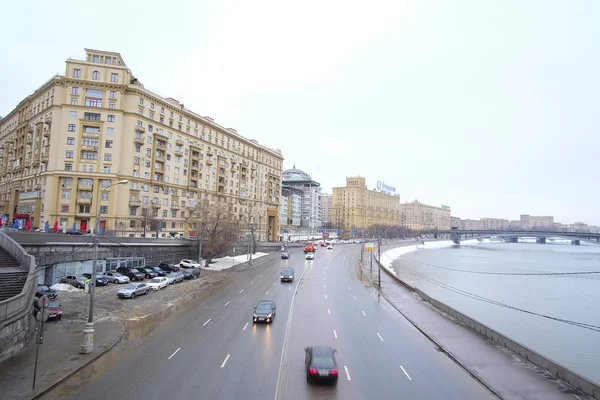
[287, 275]
[148, 273]
[191, 273]
[133, 275]
[320, 364]
[285, 255]
[169, 267]
[159, 271]
[264, 311]
[100, 280]
[43, 290]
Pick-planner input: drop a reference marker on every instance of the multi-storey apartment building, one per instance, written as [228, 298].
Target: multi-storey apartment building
[536, 222]
[419, 216]
[326, 209]
[356, 207]
[290, 210]
[97, 125]
[311, 193]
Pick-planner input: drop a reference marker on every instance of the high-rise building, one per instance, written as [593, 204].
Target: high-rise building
[419, 216]
[298, 182]
[327, 209]
[356, 207]
[98, 124]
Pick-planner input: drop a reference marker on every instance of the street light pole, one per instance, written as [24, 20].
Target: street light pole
[379, 262]
[87, 344]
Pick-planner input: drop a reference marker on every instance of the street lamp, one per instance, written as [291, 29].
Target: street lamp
[87, 345]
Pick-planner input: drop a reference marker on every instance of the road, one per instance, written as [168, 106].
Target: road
[214, 351]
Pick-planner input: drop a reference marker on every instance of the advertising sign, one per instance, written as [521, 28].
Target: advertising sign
[383, 187]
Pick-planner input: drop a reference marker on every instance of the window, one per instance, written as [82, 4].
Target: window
[138, 148]
[85, 208]
[69, 154]
[108, 144]
[95, 75]
[107, 157]
[106, 169]
[104, 196]
[91, 116]
[107, 60]
[73, 101]
[72, 127]
[70, 140]
[139, 123]
[105, 183]
[141, 101]
[68, 167]
[96, 58]
[111, 118]
[110, 131]
[76, 73]
[66, 194]
[93, 102]
[64, 208]
[114, 77]
[73, 114]
[112, 105]
[150, 128]
[75, 90]
[152, 106]
[112, 95]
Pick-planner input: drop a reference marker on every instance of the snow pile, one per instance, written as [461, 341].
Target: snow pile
[438, 244]
[64, 287]
[220, 264]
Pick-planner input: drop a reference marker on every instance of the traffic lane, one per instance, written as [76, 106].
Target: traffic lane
[311, 325]
[394, 345]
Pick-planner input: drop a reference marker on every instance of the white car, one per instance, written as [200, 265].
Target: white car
[310, 256]
[158, 283]
[116, 277]
[189, 264]
[330, 247]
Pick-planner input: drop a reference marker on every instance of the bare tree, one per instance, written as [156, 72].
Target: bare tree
[145, 218]
[214, 228]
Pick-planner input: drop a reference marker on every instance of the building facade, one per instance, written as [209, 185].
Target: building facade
[290, 211]
[299, 181]
[96, 125]
[356, 207]
[418, 216]
[537, 222]
[327, 209]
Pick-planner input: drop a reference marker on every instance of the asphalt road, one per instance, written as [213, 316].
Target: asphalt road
[214, 351]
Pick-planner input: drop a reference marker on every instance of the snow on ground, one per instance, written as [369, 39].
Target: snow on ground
[220, 264]
[64, 287]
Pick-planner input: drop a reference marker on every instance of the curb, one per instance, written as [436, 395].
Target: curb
[431, 338]
[74, 371]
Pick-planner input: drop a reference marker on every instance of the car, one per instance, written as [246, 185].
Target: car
[158, 283]
[54, 310]
[264, 311]
[43, 290]
[309, 248]
[116, 277]
[287, 275]
[131, 290]
[330, 247]
[134, 275]
[148, 273]
[101, 280]
[77, 281]
[189, 264]
[169, 267]
[191, 273]
[310, 256]
[175, 277]
[320, 364]
[159, 271]
[285, 255]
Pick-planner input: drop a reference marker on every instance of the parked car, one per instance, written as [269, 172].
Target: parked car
[329, 247]
[174, 277]
[285, 255]
[264, 311]
[100, 279]
[320, 364]
[158, 283]
[159, 271]
[77, 281]
[310, 256]
[189, 264]
[134, 275]
[287, 275]
[131, 290]
[43, 290]
[148, 273]
[169, 267]
[54, 310]
[116, 277]
[191, 273]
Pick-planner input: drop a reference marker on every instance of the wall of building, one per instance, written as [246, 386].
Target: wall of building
[15, 336]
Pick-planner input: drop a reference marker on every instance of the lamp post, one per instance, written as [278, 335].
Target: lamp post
[87, 345]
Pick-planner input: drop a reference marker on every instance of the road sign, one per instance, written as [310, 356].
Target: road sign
[42, 302]
[370, 246]
[41, 316]
[338, 231]
[87, 284]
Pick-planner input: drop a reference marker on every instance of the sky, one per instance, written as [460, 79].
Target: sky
[489, 107]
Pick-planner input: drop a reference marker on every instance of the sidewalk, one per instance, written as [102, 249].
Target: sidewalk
[505, 374]
[58, 357]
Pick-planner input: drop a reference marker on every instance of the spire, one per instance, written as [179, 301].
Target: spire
[294, 164]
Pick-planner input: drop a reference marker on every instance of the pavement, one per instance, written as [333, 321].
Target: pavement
[502, 371]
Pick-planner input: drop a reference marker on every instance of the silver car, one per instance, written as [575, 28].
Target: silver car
[133, 289]
[175, 277]
[116, 277]
[77, 281]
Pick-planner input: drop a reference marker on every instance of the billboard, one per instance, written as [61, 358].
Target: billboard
[383, 187]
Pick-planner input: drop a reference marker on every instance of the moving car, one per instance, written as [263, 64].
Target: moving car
[287, 275]
[131, 290]
[285, 255]
[77, 281]
[320, 364]
[330, 247]
[191, 273]
[174, 277]
[310, 256]
[189, 264]
[54, 310]
[264, 311]
[158, 283]
[116, 277]
[309, 248]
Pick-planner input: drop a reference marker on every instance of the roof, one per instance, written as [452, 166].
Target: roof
[322, 350]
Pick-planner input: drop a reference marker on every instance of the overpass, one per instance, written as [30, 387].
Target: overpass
[456, 235]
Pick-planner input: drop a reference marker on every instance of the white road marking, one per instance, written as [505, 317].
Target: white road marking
[325, 296]
[345, 280]
[364, 313]
[335, 333]
[225, 361]
[267, 292]
[324, 286]
[207, 321]
[251, 282]
[241, 290]
[354, 297]
[274, 283]
[226, 304]
[328, 311]
[245, 326]
[348, 287]
[405, 373]
[260, 276]
[175, 352]
[347, 373]
[379, 336]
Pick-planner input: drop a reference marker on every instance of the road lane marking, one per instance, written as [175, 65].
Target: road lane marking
[324, 286]
[364, 313]
[348, 287]
[207, 321]
[245, 326]
[251, 282]
[347, 373]
[225, 361]
[175, 352]
[274, 283]
[325, 296]
[379, 336]
[267, 292]
[226, 304]
[345, 280]
[335, 333]
[354, 297]
[328, 311]
[260, 276]
[405, 373]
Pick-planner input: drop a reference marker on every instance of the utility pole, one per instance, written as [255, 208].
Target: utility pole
[379, 262]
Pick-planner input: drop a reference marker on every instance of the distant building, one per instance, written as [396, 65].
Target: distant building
[326, 208]
[298, 181]
[498, 224]
[419, 216]
[530, 222]
[290, 210]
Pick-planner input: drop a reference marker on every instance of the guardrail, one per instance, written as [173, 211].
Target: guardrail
[18, 306]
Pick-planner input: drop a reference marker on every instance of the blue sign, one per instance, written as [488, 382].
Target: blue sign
[324, 231]
[338, 231]
[382, 187]
[353, 231]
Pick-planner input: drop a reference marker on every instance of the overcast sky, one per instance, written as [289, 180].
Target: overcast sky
[490, 107]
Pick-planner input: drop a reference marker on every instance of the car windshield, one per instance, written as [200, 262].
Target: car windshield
[117, 274]
[155, 280]
[323, 362]
[172, 275]
[263, 307]
[130, 286]
[53, 304]
[99, 276]
[149, 269]
[287, 272]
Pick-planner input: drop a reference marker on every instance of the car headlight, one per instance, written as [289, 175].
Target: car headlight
[269, 316]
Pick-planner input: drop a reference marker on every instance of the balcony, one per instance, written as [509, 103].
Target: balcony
[195, 156]
[134, 203]
[156, 206]
[160, 156]
[140, 129]
[158, 169]
[48, 120]
[86, 188]
[36, 162]
[84, 201]
[88, 147]
[139, 140]
[209, 153]
[175, 207]
[37, 186]
[29, 139]
[30, 129]
[209, 162]
[179, 153]
[44, 158]
[161, 147]
[253, 166]
[179, 142]
[194, 168]
[46, 132]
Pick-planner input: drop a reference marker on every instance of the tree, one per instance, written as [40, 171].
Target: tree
[215, 230]
[145, 218]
